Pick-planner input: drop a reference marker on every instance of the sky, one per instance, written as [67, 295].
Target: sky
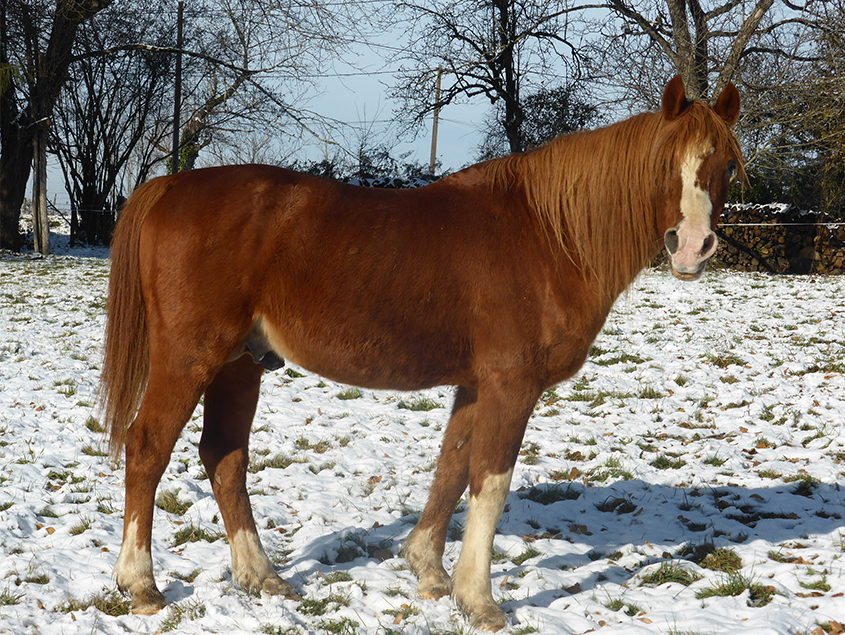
[353, 97]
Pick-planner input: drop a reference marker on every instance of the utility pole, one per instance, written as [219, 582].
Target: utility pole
[177, 106]
[432, 164]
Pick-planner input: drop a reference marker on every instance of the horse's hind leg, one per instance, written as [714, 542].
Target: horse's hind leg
[229, 407]
[423, 550]
[168, 403]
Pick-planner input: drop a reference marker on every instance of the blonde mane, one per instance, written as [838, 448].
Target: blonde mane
[596, 192]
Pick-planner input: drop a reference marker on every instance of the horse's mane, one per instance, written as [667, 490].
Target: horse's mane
[595, 191]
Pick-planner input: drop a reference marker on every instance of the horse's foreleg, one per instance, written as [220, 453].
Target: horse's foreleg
[423, 549]
[499, 428]
[229, 407]
[166, 408]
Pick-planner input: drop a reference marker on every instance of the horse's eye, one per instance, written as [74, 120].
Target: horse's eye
[731, 169]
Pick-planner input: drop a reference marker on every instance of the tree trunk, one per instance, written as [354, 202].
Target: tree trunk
[40, 224]
[15, 163]
[16, 129]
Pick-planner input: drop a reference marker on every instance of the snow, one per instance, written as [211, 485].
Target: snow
[735, 383]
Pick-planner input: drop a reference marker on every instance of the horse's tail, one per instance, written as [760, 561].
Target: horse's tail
[126, 354]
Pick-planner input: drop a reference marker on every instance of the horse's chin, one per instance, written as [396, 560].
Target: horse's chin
[680, 275]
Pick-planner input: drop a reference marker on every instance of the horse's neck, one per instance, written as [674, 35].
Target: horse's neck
[596, 191]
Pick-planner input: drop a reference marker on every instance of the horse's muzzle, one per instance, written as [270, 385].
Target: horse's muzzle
[689, 250]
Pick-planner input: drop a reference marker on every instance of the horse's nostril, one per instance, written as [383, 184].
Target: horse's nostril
[708, 244]
[671, 240]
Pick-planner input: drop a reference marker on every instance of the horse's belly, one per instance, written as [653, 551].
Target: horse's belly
[401, 358]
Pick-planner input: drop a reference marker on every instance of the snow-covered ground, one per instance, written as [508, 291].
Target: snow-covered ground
[687, 481]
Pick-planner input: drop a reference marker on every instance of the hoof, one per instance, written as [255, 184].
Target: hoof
[490, 618]
[434, 587]
[267, 582]
[147, 601]
[277, 586]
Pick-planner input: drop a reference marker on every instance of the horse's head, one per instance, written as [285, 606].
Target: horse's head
[705, 158]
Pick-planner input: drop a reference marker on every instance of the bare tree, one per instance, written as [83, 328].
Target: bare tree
[549, 112]
[36, 40]
[112, 104]
[794, 133]
[494, 49]
[648, 41]
[275, 51]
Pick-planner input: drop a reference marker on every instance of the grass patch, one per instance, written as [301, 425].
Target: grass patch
[169, 502]
[90, 450]
[321, 606]
[670, 572]
[708, 556]
[735, 584]
[722, 559]
[191, 533]
[279, 461]
[666, 462]
[337, 576]
[343, 626]
[612, 468]
[349, 393]
[619, 604]
[530, 453]
[529, 553]
[177, 613]
[82, 526]
[94, 425]
[403, 612]
[111, 603]
[320, 447]
[7, 598]
[818, 585]
[622, 358]
[723, 360]
[418, 404]
[547, 495]
[649, 392]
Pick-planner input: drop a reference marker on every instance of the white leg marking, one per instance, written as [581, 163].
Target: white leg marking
[427, 565]
[249, 560]
[473, 591]
[134, 564]
[133, 572]
[252, 569]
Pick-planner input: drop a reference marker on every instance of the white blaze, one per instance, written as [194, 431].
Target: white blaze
[696, 241]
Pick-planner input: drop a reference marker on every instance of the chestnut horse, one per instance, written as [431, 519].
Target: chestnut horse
[495, 279]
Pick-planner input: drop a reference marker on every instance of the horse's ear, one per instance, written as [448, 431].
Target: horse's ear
[674, 101]
[727, 106]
